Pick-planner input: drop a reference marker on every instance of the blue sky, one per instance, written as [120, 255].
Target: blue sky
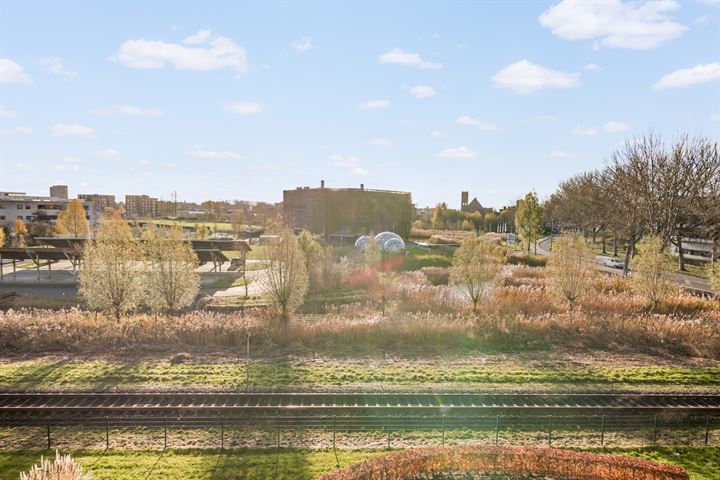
[240, 101]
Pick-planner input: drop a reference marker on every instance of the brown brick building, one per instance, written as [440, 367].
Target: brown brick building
[349, 211]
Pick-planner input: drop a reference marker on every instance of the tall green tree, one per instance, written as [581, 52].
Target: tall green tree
[529, 219]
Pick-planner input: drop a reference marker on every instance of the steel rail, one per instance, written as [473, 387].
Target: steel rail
[292, 406]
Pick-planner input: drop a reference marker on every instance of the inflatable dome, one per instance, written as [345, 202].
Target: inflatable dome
[394, 245]
[362, 242]
[383, 237]
[390, 242]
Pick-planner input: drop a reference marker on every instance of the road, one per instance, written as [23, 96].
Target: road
[689, 282]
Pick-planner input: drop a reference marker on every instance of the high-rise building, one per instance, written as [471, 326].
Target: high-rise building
[59, 191]
[101, 203]
[140, 206]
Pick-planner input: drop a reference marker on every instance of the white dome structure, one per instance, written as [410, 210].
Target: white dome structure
[362, 242]
[394, 245]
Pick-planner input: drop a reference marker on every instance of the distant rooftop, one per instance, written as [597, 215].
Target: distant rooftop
[347, 189]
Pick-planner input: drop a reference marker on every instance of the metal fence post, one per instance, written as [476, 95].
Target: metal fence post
[602, 431]
[654, 429]
[222, 436]
[278, 435]
[707, 429]
[165, 432]
[48, 434]
[247, 359]
[388, 436]
[107, 435]
[497, 428]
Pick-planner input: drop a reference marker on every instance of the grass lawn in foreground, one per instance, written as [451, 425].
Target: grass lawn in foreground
[701, 463]
[330, 374]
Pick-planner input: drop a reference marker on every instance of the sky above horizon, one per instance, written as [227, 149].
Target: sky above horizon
[241, 101]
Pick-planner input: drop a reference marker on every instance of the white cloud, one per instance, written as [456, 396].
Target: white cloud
[381, 142]
[218, 53]
[56, 66]
[109, 152]
[436, 134]
[469, 121]
[460, 153]
[525, 77]
[614, 127]
[216, 155]
[128, 110]
[689, 76]
[302, 45]
[11, 72]
[715, 117]
[4, 112]
[422, 91]
[70, 129]
[244, 108]
[701, 19]
[399, 56]
[19, 130]
[591, 67]
[351, 163]
[560, 154]
[198, 38]
[585, 132]
[374, 104]
[614, 24]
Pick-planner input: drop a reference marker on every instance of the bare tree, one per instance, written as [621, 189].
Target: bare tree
[285, 279]
[570, 267]
[476, 265]
[170, 264]
[111, 276]
[652, 267]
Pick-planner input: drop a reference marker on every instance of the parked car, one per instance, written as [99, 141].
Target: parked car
[611, 262]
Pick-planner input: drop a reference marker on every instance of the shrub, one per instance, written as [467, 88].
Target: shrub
[62, 468]
[527, 259]
[524, 462]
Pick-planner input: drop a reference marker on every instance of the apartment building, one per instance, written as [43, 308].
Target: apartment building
[101, 203]
[20, 206]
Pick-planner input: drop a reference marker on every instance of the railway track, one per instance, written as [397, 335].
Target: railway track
[296, 408]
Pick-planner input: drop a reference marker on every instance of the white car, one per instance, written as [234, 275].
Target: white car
[611, 262]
